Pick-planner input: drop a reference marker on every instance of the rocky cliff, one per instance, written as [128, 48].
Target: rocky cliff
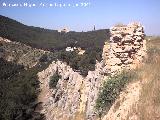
[74, 96]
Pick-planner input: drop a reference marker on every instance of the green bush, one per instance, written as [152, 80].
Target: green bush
[44, 58]
[53, 80]
[82, 63]
[18, 90]
[111, 90]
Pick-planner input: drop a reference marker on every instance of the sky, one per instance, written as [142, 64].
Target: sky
[81, 15]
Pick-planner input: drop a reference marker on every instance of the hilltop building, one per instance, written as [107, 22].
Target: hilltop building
[70, 49]
[79, 50]
[65, 30]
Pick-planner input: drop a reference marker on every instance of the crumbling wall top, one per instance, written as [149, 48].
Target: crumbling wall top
[129, 29]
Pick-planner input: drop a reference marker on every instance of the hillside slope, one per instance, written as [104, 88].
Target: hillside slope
[92, 42]
[19, 89]
[50, 39]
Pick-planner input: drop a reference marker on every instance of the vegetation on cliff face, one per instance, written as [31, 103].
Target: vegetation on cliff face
[111, 90]
[18, 91]
[53, 80]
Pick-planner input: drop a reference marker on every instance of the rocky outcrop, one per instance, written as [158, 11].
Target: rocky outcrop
[74, 95]
[126, 48]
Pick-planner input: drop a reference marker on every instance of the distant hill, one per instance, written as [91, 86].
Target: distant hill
[50, 39]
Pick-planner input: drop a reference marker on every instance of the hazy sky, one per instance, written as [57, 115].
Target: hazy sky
[102, 13]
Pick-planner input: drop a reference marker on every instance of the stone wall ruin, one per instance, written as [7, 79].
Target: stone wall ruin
[126, 47]
[75, 96]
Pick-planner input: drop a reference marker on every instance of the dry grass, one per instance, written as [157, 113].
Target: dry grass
[80, 116]
[149, 105]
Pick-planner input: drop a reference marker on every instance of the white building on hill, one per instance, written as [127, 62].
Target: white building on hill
[65, 30]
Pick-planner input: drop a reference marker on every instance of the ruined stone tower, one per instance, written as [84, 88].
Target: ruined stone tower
[126, 47]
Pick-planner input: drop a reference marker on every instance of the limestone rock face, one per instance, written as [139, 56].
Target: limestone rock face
[74, 94]
[126, 48]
